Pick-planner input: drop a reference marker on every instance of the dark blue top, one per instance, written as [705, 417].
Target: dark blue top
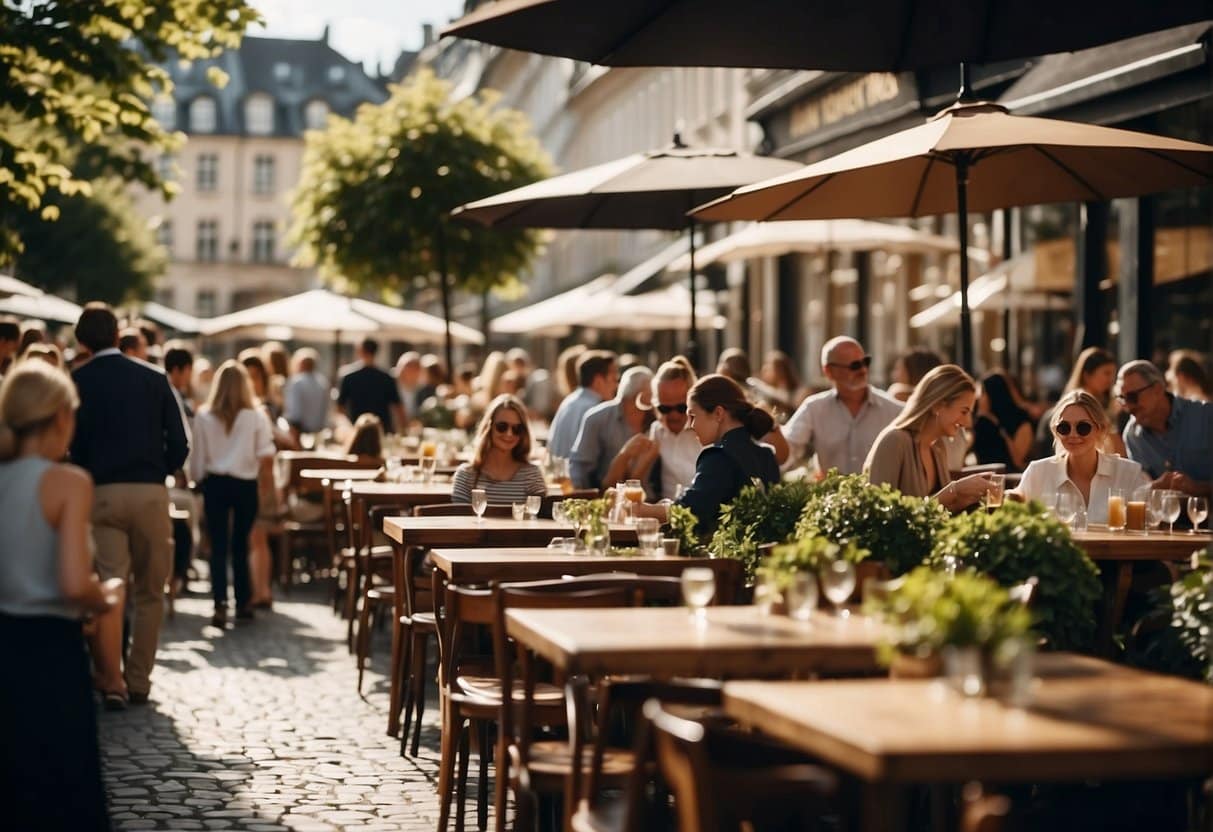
[722, 470]
[1186, 445]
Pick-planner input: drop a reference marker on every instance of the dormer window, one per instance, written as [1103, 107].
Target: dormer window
[204, 115]
[282, 71]
[315, 114]
[164, 110]
[259, 114]
[336, 74]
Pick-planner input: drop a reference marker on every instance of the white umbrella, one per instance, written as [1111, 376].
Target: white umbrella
[554, 316]
[775, 239]
[44, 307]
[10, 285]
[1010, 285]
[600, 304]
[172, 318]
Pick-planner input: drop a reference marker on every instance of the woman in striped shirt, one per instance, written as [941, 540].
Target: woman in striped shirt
[499, 465]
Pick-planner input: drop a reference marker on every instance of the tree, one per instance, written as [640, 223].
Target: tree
[372, 202]
[99, 246]
[75, 81]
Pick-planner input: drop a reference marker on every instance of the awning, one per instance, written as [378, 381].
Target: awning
[553, 316]
[12, 286]
[171, 318]
[42, 307]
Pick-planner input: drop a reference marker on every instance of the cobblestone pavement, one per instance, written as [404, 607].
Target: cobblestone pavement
[259, 727]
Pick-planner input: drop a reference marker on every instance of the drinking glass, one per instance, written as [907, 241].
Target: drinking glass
[480, 501]
[392, 464]
[633, 491]
[838, 582]
[558, 513]
[556, 543]
[698, 589]
[964, 671]
[1068, 505]
[767, 593]
[1049, 499]
[1198, 510]
[533, 504]
[669, 546]
[428, 465]
[648, 533]
[802, 596]
[995, 491]
[1155, 506]
[1170, 509]
[518, 510]
[1116, 510]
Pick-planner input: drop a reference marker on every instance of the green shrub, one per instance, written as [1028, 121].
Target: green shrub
[898, 530]
[805, 555]
[756, 516]
[1191, 602]
[1017, 542]
[683, 523]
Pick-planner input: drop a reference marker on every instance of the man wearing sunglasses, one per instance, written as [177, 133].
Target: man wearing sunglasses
[842, 423]
[1171, 438]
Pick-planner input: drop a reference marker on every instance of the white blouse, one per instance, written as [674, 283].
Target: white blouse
[1048, 476]
[679, 453]
[236, 453]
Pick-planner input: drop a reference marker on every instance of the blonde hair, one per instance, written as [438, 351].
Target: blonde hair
[1089, 404]
[32, 395]
[231, 392]
[484, 440]
[940, 386]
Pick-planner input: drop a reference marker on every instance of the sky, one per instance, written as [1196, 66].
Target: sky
[363, 30]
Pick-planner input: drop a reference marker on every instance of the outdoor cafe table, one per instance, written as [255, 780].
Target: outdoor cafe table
[1089, 719]
[735, 641]
[340, 474]
[481, 566]
[1115, 554]
[464, 531]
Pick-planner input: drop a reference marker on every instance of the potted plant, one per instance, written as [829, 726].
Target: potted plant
[1021, 541]
[898, 530]
[590, 516]
[931, 611]
[758, 516]
[1176, 636]
[775, 572]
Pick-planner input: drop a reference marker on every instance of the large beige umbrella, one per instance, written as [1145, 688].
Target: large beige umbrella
[10, 285]
[979, 157]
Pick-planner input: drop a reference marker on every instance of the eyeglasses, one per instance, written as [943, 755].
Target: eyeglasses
[1082, 428]
[665, 409]
[517, 429]
[1130, 397]
[854, 366]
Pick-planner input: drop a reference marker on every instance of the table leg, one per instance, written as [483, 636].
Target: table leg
[1116, 582]
[884, 809]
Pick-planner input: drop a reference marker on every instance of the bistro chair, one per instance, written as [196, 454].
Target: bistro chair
[306, 515]
[373, 562]
[414, 624]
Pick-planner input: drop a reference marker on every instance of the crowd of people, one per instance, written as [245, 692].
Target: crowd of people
[97, 440]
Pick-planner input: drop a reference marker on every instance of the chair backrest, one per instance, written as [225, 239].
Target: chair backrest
[460, 510]
[640, 589]
[461, 607]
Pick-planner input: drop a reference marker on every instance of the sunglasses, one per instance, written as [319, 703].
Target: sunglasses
[665, 409]
[1130, 397]
[854, 366]
[516, 429]
[1082, 428]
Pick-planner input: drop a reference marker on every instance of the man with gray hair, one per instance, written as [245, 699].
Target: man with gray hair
[607, 427]
[1171, 438]
[841, 424]
[306, 395]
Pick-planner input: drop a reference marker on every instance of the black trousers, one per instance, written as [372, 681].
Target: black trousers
[230, 504]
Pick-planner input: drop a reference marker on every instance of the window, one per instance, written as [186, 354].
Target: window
[336, 74]
[263, 174]
[164, 234]
[282, 71]
[166, 167]
[204, 303]
[208, 241]
[165, 296]
[208, 171]
[259, 114]
[315, 114]
[263, 241]
[204, 117]
[164, 110]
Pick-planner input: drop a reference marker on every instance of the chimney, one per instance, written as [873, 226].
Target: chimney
[324, 36]
[427, 34]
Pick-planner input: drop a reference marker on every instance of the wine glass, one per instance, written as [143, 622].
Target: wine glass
[995, 491]
[480, 501]
[1198, 510]
[801, 595]
[648, 534]
[1170, 509]
[1068, 505]
[698, 589]
[533, 504]
[838, 582]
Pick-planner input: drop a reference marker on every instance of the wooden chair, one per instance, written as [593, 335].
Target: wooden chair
[414, 624]
[373, 562]
[296, 489]
[722, 779]
[460, 510]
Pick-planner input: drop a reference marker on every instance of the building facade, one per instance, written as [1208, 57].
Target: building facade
[225, 230]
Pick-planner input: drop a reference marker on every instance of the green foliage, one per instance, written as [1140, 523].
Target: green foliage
[588, 514]
[931, 610]
[372, 202]
[683, 522]
[99, 247]
[898, 530]
[756, 516]
[1183, 644]
[808, 554]
[1018, 542]
[75, 81]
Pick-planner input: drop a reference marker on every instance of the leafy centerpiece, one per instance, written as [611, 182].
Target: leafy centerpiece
[758, 516]
[683, 522]
[590, 516]
[804, 555]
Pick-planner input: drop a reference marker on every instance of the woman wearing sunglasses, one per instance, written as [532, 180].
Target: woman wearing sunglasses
[500, 462]
[1080, 424]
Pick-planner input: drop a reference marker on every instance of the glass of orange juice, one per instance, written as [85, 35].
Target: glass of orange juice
[633, 491]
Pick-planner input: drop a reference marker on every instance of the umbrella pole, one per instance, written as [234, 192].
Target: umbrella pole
[693, 343]
[446, 298]
[962, 215]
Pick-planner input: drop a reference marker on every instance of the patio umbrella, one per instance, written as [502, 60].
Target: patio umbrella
[10, 285]
[42, 307]
[857, 35]
[656, 189]
[973, 156]
[775, 239]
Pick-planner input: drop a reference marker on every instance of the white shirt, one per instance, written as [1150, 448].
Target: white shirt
[679, 452]
[823, 423]
[1048, 476]
[235, 454]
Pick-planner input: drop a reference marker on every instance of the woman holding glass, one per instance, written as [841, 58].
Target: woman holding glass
[1080, 424]
[910, 455]
[500, 463]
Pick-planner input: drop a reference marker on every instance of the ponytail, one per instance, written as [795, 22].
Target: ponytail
[758, 422]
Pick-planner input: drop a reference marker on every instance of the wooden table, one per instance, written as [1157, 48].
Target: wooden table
[1089, 720]
[340, 474]
[1115, 554]
[463, 532]
[667, 641]
[480, 566]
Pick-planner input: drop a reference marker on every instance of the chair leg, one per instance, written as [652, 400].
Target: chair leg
[401, 636]
[446, 767]
[482, 791]
[461, 783]
[418, 683]
[362, 647]
[351, 605]
[502, 773]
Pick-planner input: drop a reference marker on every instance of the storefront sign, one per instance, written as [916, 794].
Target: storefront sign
[841, 103]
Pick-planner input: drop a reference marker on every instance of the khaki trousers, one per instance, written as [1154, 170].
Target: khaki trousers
[134, 538]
